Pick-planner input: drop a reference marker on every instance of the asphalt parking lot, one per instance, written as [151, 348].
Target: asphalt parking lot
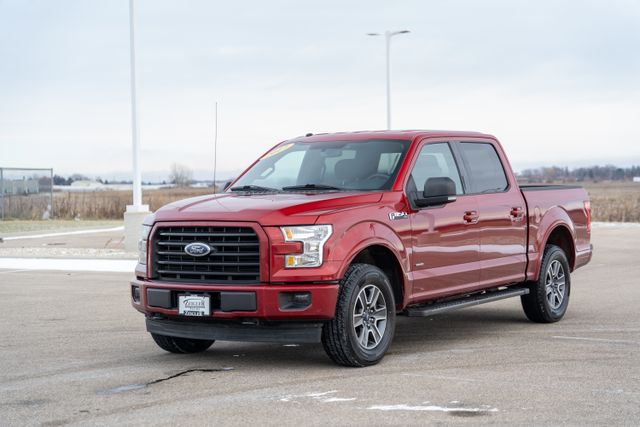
[74, 352]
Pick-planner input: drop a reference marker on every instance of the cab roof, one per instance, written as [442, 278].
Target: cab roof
[390, 134]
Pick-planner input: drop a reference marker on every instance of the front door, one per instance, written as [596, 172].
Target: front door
[445, 239]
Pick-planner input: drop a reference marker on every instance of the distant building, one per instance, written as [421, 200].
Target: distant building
[86, 185]
[636, 179]
[15, 187]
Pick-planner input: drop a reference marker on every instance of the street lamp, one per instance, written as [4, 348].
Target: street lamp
[387, 36]
[135, 213]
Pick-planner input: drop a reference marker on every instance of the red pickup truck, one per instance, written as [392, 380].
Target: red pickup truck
[327, 238]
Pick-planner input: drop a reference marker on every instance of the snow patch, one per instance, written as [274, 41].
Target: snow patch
[317, 396]
[65, 233]
[598, 224]
[433, 408]
[63, 264]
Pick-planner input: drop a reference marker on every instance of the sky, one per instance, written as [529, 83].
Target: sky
[557, 81]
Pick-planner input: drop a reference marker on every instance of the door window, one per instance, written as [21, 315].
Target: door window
[484, 167]
[434, 161]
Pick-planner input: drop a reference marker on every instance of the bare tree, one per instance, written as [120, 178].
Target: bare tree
[180, 175]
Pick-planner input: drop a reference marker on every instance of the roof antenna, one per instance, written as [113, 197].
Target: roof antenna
[215, 148]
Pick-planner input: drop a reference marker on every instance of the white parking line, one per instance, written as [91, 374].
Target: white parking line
[66, 264]
[64, 233]
[604, 340]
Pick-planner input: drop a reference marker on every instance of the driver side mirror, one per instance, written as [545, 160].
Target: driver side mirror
[437, 191]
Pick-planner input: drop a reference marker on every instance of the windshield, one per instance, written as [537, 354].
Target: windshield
[322, 166]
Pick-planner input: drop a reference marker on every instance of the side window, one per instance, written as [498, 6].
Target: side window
[434, 161]
[485, 168]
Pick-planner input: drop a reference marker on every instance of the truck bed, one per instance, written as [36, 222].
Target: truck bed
[549, 205]
[540, 187]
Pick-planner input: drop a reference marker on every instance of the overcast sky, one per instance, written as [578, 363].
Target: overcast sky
[558, 82]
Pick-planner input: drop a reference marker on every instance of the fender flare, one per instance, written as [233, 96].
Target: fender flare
[372, 233]
[553, 219]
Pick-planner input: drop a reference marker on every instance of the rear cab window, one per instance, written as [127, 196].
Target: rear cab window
[483, 165]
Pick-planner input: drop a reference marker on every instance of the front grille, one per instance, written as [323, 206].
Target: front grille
[234, 257]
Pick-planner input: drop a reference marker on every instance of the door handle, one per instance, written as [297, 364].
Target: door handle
[470, 217]
[517, 213]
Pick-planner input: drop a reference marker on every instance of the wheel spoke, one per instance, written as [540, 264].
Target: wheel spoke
[363, 336]
[375, 297]
[357, 320]
[380, 313]
[555, 265]
[377, 336]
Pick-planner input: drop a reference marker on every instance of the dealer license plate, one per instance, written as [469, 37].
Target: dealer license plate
[193, 305]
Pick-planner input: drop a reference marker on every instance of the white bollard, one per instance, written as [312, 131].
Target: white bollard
[133, 218]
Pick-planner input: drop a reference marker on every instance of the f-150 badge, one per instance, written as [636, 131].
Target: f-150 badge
[398, 215]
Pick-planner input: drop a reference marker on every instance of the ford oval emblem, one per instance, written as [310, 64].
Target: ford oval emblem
[197, 249]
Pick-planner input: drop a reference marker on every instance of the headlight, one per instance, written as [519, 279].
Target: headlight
[313, 238]
[142, 244]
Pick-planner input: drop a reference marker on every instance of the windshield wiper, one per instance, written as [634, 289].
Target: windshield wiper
[256, 188]
[310, 187]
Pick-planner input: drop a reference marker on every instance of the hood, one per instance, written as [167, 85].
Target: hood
[263, 208]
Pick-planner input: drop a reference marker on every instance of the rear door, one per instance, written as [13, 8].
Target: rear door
[501, 213]
[445, 239]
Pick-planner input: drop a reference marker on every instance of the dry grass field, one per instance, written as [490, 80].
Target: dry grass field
[610, 201]
[112, 204]
[614, 201]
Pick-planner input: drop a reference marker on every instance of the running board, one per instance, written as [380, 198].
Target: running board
[468, 301]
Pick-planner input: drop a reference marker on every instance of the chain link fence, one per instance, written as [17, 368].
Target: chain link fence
[26, 193]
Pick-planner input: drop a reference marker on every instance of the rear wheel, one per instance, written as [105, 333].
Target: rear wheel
[363, 328]
[181, 345]
[548, 298]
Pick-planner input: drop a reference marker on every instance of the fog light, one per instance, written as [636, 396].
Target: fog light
[135, 294]
[294, 300]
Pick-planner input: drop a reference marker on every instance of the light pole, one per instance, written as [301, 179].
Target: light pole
[135, 212]
[137, 176]
[387, 37]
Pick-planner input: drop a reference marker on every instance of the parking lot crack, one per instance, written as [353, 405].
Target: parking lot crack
[185, 372]
[132, 387]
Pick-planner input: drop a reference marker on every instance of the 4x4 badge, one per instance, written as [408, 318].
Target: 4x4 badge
[398, 215]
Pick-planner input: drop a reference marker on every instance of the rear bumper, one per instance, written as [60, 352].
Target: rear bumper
[583, 257]
[262, 302]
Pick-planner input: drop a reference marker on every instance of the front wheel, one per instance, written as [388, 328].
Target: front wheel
[365, 320]
[548, 298]
[181, 345]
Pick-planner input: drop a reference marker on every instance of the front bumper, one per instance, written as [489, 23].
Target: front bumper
[261, 302]
[278, 332]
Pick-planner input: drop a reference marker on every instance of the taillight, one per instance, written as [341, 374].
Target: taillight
[587, 209]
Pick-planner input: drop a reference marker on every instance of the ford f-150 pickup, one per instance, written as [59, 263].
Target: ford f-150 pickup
[327, 238]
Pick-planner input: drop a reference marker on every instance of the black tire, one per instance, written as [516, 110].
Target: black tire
[541, 306]
[340, 336]
[181, 345]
